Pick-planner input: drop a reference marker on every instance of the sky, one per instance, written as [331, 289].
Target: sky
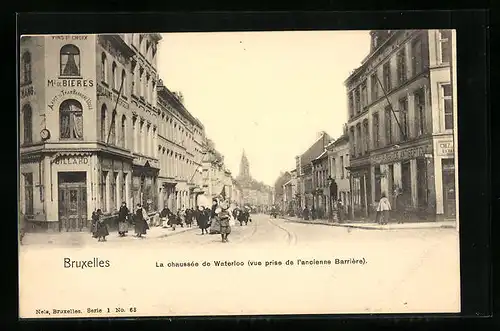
[268, 93]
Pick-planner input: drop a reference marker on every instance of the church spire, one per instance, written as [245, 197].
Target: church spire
[244, 166]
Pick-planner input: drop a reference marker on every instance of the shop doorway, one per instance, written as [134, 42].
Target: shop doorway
[449, 196]
[406, 184]
[72, 201]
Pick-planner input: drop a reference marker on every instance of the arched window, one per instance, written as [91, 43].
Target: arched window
[104, 110]
[70, 60]
[28, 124]
[104, 68]
[124, 131]
[26, 65]
[71, 119]
[114, 72]
[112, 129]
[124, 79]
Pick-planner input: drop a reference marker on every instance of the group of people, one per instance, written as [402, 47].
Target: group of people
[242, 215]
[217, 218]
[315, 214]
[139, 218]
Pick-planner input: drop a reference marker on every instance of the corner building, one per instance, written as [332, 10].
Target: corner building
[87, 140]
[401, 124]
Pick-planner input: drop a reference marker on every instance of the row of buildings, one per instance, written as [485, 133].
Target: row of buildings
[98, 127]
[399, 138]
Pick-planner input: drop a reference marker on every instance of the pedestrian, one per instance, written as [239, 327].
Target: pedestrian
[101, 227]
[141, 221]
[214, 221]
[22, 227]
[122, 220]
[399, 205]
[189, 218]
[384, 206]
[172, 220]
[165, 212]
[340, 210]
[95, 219]
[224, 217]
[305, 213]
[202, 220]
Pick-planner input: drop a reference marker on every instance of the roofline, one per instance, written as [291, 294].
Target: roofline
[371, 55]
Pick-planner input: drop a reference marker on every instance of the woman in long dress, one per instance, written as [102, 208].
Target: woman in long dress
[141, 223]
[101, 227]
[224, 218]
[384, 206]
[122, 219]
[202, 219]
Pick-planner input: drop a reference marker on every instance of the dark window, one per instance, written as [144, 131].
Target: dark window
[123, 186]
[103, 122]
[104, 68]
[364, 95]
[366, 135]
[28, 124]
[70, 60]
[374, 85]
[447, 106]
[420, 112]
[353, 140]
[71, 119]
[388, 125]
[387, 76]
[123, 134]
[28, 193]
[445, 45]
[26, 65]
[417, 57]
[376, 131]
[124, 82]
[114, 72]
[357, 97]
[403, 115]
[112, 129]
[360, 139]
[402, 66]
[104, 176]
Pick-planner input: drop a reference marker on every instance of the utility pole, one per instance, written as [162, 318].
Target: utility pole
[403, 134]
[114, 110]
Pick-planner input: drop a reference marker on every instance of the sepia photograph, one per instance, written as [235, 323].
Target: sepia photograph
[238, 173]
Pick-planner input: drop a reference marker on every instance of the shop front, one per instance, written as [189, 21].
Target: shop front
[361, 183]
[167, 194]
[405, 175]
[445, 179]
[144, 185]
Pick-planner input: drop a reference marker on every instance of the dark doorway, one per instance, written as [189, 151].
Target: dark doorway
[449, 193]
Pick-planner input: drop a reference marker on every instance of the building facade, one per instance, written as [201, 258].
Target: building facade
[79, 95]
[304, 170]
[181, 149]
[321, 191]
[401, 124]
[338, 159]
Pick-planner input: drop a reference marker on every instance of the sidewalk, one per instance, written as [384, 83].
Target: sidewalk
[375, 226]
[85, 238]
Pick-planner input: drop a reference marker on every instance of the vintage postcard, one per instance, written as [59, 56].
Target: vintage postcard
[238, 173]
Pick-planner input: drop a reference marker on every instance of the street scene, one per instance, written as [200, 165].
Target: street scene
[393, 280]
[142, 151]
